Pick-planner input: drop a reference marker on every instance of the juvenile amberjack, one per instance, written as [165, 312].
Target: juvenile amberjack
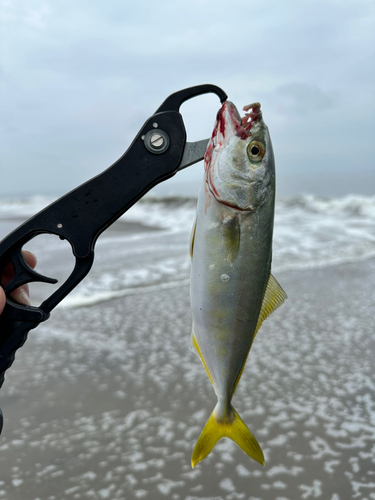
[232, 288]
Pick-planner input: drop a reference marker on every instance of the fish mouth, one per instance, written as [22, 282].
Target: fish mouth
[229, 123]
[253, 115]
[242, 125]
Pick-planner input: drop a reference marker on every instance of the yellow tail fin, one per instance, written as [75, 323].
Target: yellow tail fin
[236, 430]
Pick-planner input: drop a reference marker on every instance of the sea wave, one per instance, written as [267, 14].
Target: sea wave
[351, 204]
[309, 232]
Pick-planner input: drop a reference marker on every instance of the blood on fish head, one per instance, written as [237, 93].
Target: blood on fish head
[239, 160]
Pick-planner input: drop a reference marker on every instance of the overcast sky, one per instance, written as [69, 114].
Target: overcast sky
[79, 78]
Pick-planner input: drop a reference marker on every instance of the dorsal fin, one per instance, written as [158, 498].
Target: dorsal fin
[274, 297]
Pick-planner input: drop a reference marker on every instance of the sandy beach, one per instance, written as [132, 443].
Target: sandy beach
[107, 401]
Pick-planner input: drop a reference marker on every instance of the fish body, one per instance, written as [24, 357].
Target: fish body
[232, 289]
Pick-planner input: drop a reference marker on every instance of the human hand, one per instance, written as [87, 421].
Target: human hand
[21, 294]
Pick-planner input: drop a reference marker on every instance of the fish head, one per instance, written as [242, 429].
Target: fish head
[239, 160]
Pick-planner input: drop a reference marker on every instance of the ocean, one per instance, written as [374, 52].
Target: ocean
[147, 246]
[106, 400]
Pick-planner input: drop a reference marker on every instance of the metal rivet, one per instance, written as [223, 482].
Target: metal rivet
[59, 226]
[155, 125]
[142, 137]
[224, 277]
[156, 141]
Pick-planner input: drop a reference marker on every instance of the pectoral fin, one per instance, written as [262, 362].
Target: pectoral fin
[231, 234]
[192, 238]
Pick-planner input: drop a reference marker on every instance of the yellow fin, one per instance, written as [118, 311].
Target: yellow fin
[196, 347]
[236, 430]
[192, 238]
[274, 297]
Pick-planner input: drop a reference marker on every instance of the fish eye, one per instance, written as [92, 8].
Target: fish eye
[255, 151]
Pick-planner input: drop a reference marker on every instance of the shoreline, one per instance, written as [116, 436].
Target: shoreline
[108, 400]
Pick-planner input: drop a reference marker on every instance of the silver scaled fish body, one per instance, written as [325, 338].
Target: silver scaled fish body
[232, 288]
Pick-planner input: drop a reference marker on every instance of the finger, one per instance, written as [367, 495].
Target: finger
[2, 300]
[21, 295]
[29, 258]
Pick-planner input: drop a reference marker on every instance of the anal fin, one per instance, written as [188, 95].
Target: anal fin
[194, 344]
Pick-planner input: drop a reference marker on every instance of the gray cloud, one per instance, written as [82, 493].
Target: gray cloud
[79, 79]
[304, 99]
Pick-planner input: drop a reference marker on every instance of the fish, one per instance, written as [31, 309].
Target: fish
[232, 288]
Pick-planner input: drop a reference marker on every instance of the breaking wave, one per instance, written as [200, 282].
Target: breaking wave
[309, 232]
[355, 205]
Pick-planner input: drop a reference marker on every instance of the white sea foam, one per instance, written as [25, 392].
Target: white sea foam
[310, 232]
[175, 214]
[74, 301]
[23, 207]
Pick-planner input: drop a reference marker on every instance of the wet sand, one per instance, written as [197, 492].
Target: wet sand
[106, 402]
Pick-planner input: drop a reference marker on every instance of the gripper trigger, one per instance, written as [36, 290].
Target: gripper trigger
[23, 273]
